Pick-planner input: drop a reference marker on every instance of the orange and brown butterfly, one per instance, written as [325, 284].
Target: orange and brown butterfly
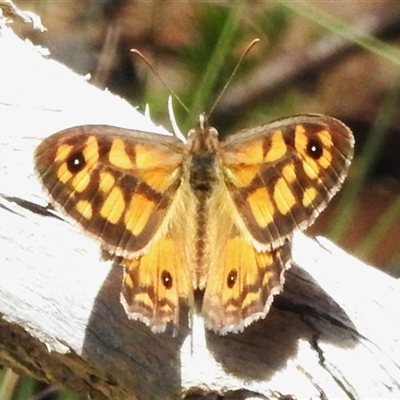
[209, 215]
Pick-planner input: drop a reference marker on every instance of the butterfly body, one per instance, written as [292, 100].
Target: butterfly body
[207, 214]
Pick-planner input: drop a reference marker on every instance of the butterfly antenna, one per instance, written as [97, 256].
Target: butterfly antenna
[249, 47]
[143, 57]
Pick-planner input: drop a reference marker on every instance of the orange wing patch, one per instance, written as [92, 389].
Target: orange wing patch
[262, 207]
[118, 156]
[138, 213]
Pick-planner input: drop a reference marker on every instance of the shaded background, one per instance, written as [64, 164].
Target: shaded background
[310, 59]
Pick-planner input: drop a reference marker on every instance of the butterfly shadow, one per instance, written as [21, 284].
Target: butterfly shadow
[303, 312]
[130, 355]
[135, 359]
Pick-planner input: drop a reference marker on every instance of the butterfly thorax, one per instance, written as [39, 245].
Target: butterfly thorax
[202, 146]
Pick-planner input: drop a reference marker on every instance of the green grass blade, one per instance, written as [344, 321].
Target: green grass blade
[345, 30]
[363, 165]
[211, 75]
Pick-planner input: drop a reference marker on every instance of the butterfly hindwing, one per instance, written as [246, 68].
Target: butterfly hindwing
[242, 283]
[155, 284]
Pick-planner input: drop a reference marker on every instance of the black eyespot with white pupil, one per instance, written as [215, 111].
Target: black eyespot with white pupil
[314, 148]
[232, 277]
[76, 162]
[166, 279]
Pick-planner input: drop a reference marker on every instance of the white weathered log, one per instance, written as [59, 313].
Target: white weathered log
[333, 333]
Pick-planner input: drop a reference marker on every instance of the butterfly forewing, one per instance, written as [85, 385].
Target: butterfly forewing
[114, 182]
[282, 175]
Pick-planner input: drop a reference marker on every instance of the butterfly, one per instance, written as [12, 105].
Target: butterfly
[203, 215]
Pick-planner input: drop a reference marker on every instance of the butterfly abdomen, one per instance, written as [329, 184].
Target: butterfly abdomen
[202, 181]
[203, 176]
